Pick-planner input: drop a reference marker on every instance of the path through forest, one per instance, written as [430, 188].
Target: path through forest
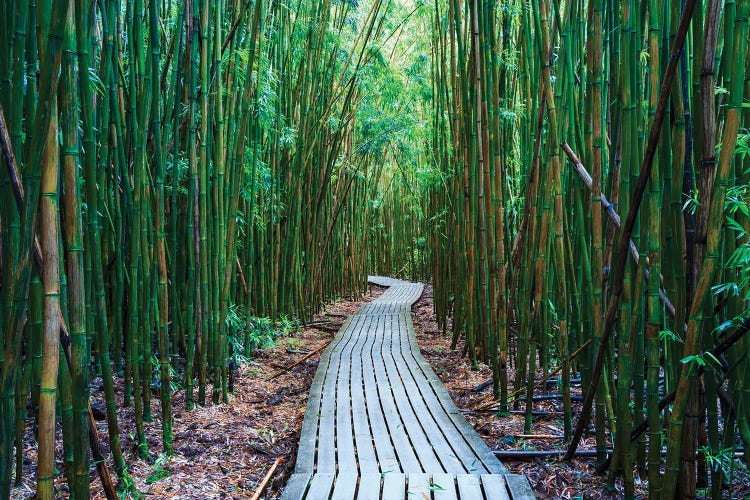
[380, 424]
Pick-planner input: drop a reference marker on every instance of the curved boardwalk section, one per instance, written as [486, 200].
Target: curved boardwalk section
[380, 424]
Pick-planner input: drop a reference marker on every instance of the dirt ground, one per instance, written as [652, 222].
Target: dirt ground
[223, 451]
[549, 476]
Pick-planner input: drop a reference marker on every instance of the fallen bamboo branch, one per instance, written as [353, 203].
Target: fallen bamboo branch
[318, 322]
[529, 454]
[326, 328]
[537, 436]
[557, 370]
[615, 218]
[480, 387]
[541, 381]
[486, 404]
[550, 397]
[537, 413]
[264, 483]
[281, 372]
[298, 351]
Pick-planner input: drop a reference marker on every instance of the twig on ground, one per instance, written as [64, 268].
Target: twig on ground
[262, 485]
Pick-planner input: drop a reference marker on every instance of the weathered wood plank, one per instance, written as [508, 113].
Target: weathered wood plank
[296, 486]
[366, 457]
[309, 434]
[469, 486]
[418, 486]
[369, 487]
[346, 460]
[320, 486]
[444, 487]
[394, 486]
[495, 487]
[326, 458]
[480, 448]
[386, 453]
[406, 457]
[345, 486]
[426, 455]
[519, 487]
[451, 448]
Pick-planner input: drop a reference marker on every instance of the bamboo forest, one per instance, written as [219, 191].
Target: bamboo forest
[197, 196]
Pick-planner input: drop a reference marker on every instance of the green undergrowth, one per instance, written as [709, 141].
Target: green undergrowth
[248, 334]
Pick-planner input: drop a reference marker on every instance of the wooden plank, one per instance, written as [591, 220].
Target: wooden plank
[480, 448]
[309, 433]
[428, 461]
[346, 460]
[366, 457]
[406, 457]
[387, 461]
[418, 486]
[469, 486]
[369, 487]
[384, 281]
[435, 405]
[444, 487]
[494, 487]
[394, 486]
[345, 486]
[320, 486]
[326, 458]
[519, 487]
[296, 486]
[450, 447]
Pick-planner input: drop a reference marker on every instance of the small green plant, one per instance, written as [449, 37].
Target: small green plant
[720, 460]
[293, 342]
[247, 334]
[161, 470]
[670, 335]
[126, 488]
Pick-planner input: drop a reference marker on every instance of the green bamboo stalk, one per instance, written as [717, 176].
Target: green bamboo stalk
[78, 381]
[714, 237]
[51, 340]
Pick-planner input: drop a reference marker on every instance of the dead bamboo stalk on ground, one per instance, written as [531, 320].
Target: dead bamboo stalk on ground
[539, 382]
[281, 372]
[537, 436]
[264, 483]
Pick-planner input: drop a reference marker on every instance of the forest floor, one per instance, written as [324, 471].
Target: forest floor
[224, 451]
[221, 451]
[549, 476]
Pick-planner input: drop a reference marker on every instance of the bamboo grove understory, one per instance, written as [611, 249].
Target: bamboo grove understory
[572, 176]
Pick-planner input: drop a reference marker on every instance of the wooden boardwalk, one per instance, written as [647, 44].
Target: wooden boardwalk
[380, 424]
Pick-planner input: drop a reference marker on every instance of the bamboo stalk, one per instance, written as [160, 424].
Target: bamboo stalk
[630, 221]
[266, 479]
